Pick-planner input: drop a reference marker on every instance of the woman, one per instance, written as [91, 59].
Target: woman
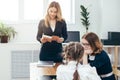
[52, 31]
[96, 56]
[73, 70]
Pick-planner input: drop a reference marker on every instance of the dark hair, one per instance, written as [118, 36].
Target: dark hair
[74, 51]
[76, 75]
[94, 42]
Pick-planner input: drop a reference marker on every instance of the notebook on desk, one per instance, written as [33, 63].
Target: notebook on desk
[45, 64]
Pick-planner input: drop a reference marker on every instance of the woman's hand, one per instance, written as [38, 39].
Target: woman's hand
[46, 38]
[88, 51]
[60, 40]
[85, 59]
[43, 40]
[57, 39]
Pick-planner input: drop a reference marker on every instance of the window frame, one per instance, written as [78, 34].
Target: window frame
[45, 2]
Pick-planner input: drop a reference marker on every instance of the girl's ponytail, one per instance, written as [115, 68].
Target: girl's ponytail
[76, 75]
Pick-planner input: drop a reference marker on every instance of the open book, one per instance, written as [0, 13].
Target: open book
[50, 38]
[47, 36]
[45, 64]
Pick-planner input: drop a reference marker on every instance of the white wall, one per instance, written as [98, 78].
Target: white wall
[104, 17]
[110, 16]
[5, 57]
[26, 32]
[94, 7]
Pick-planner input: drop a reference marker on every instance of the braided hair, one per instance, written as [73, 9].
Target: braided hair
[74, 51]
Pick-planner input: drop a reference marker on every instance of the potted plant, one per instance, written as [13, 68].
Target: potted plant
[85, 17]
[6, 32]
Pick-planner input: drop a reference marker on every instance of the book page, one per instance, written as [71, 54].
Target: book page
[45, 64]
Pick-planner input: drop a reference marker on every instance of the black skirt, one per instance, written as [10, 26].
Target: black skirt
[51, 52]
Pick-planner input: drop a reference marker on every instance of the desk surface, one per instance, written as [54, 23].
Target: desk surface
[35, 71]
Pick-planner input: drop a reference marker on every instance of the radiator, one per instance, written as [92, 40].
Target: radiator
[20, 60]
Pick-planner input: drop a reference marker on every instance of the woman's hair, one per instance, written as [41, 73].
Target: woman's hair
[94, 42]
[74, 51]
[59, 13]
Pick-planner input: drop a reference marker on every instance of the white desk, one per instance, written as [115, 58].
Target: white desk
[37, 73]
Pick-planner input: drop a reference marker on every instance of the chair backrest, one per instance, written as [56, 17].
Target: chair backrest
[114, 35]
[73, 36]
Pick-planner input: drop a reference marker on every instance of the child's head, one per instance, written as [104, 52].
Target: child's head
[73, 51]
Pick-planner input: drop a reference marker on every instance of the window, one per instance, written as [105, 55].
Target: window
[9, 10]
[33, 10]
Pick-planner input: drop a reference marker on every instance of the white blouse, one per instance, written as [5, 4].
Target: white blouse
[86, 72]
[53, 28]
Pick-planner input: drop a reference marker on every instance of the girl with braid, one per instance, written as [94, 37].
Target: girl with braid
[73, 68]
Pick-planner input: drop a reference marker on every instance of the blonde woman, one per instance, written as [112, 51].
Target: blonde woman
[73, 69]
[52, 31]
